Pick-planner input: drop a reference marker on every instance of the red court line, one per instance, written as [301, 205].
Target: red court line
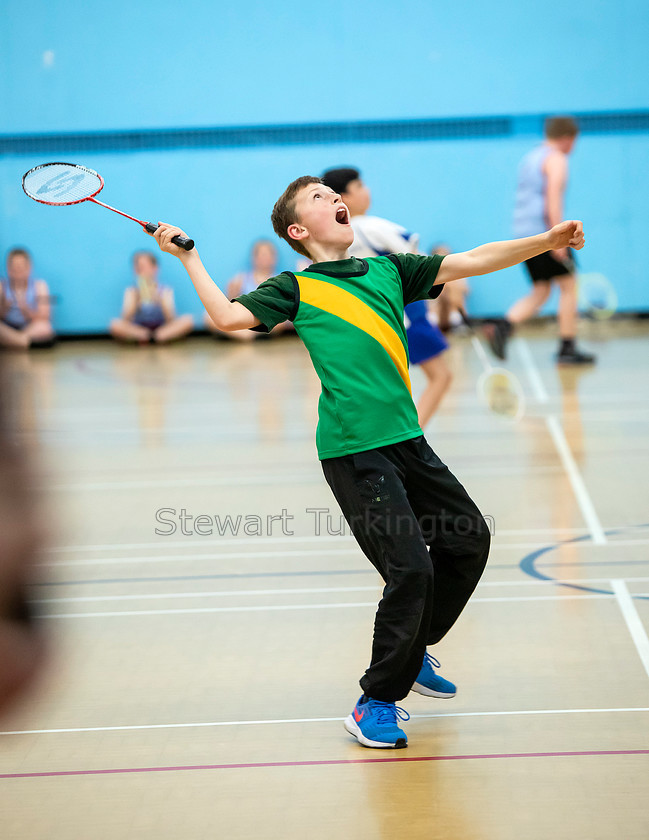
[323, 763]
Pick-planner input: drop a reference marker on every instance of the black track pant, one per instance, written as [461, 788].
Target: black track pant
[428, 541]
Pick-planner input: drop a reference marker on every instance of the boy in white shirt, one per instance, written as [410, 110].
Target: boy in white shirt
[377, 237]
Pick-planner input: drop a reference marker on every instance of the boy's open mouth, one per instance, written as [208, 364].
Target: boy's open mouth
[342, 216]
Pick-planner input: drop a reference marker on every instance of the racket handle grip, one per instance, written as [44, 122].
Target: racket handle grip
[180, 241]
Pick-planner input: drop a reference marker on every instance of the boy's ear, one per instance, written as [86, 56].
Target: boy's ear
[296, 231]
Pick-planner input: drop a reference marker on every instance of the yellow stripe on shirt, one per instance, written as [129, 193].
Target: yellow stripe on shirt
[346, 306]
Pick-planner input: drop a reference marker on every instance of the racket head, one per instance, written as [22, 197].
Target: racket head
[59, 184]
[597, 296]
[502, 393]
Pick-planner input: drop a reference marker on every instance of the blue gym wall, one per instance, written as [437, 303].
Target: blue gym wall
[69, 68]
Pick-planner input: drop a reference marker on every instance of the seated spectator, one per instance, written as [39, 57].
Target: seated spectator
[148, 310]
[452, 299]
[25, 316]
[263, 258]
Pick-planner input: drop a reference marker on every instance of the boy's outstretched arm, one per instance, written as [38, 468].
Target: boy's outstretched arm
[227, 316]
[496, 255]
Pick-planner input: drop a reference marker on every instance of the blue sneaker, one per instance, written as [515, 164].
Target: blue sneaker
[374, 723]
[430, 683]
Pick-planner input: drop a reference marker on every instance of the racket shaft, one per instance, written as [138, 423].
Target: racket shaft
[477, 346]
[480, 353]
[180, 241]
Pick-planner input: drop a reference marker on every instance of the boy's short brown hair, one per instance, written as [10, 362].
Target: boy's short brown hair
[284, 215]
[148, 254]
[556, 127]
[18, 252]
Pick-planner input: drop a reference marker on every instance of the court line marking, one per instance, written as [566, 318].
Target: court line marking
[633, 622]
[319, 763]
[303, 552]
[310, 590]
[255, 480]
[531, 370]
[236, 481]
[335, 573]
[282, 721]
[288, 607]
[529, 565]
[163, 542]
[213, 594]
[195, 542]
[214, 555]
[85, 414]
[189, 409]
[579, 488]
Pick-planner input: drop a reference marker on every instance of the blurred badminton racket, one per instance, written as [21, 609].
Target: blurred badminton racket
[597, 296]
[497, 387]
[60, 184]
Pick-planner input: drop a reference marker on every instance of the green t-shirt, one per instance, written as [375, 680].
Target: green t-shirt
[349, 314]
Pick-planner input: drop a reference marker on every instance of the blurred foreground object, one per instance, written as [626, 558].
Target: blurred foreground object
[21, 537]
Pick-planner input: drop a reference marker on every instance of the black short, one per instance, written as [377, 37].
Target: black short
[546, 267]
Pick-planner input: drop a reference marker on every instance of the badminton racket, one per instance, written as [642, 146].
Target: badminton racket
[497, 387]
[60, 184]
[596, 294]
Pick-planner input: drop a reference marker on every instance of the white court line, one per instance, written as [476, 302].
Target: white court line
[87, 413]
[255, 480]
[331, 606]
[72, 730]
[532, 371]
[636, 627]
[193, 542]
[225, 481]
[256, 555]
[319, 590]
[235, 555]
[163, 543]
[218, 594]
[577, 482]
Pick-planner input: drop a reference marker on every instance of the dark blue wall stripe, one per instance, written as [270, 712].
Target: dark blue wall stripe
[466, 128]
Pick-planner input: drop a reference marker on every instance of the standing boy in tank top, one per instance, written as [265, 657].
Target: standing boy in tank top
[542, 182]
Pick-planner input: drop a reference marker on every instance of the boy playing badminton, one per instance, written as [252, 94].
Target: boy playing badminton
[409, 514]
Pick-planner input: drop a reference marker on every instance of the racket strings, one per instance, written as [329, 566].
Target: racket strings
[597, 296]
[503, 394]
[61, 183]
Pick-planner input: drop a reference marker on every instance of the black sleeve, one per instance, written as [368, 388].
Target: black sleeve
[418, 275]
[273, 301]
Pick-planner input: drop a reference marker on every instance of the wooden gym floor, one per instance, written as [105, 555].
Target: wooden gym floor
[198, 681]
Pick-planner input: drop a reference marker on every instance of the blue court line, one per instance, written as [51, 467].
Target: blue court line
[226, 576]
[528, 564]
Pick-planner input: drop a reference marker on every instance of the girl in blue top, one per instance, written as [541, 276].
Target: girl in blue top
[263, 264]
[25, 316]
[148, 310]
